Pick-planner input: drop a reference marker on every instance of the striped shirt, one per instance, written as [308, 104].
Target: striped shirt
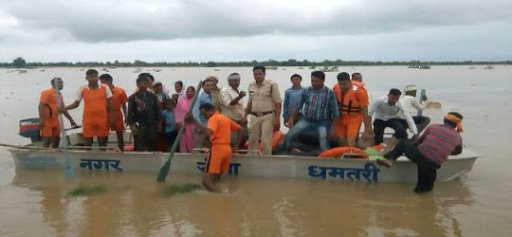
[319, 105]
[439, 141]
[292, 97]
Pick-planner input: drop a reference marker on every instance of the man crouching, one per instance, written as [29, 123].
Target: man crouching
[219, 129]
[433, 148]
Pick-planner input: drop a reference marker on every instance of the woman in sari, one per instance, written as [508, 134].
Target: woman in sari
[184, 103]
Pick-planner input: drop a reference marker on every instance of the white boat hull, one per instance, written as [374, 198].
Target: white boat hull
[242, 165]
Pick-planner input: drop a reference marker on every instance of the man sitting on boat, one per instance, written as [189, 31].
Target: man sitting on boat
[410, 102]
[353, 106]
[320, 112]
[390, 112]
[433, 148]
[49, 124]
[219, 130]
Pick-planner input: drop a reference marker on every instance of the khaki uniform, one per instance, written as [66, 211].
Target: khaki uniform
[261, 127]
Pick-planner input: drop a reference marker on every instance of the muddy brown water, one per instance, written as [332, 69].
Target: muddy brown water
[35, 202]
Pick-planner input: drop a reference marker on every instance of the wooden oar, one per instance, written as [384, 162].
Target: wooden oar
[164, 171]
[70, 172]
[73, 128]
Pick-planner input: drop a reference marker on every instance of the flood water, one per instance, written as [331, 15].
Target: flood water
[35, 203]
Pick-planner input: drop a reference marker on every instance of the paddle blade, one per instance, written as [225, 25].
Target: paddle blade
[162, 175]
[70, 172]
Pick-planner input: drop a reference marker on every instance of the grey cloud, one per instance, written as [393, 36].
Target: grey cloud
[121, 21]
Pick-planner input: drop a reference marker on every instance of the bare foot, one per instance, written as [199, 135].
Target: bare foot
[385, 162]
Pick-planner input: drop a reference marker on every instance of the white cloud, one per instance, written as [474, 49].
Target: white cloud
[158, 30]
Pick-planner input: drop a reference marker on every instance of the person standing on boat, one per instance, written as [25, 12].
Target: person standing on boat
[320, 112]
[292, 98]
[143, 116]
[180, 91]
[410, 102]
[265, 107]
[205, 97]
[119, 100]
[49, 125]
[433, 148]
[390, 112]
[169, 120]
[216, 93]
[161, 96]
[183, 106]
[353, 106]
[98, 111]
[233, 104]
[219, 130]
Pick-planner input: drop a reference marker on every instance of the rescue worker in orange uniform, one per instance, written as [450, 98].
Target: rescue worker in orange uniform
[97, 108]
[49, 125]
[353, 104]
[119, 100]
[219, 129]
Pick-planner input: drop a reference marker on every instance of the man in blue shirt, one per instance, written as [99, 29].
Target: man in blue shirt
[320, 109]
[205, 97]
[292, 97]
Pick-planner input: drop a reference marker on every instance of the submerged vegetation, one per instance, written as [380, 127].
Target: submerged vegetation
[20, 62]
[84, 190]
[179, 189]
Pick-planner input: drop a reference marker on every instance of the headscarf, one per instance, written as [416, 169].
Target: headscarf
[454, 119]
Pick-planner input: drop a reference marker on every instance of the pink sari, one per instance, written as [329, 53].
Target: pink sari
[187, 139]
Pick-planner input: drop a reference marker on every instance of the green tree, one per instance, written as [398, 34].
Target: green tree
[19, 62]
[211, 64]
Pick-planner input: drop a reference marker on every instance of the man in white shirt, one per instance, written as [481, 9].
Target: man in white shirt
[411, 104]
[390, 112]
[232, 104]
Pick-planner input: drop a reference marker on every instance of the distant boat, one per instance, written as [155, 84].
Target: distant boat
[419, 66]
[489, 67]
[472, 67]
[329, 69]
[272, 68]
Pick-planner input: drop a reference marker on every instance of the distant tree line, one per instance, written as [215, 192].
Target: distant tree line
[21, 63]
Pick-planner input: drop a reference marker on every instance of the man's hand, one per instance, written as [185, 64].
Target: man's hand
[277, 124]
[73, 124]
[134, 130]
[242, 94]
[40, 125]
[415, 138]
[244, 120]
[289, 123]
[111, 121]
[189, 117]
[366, 135]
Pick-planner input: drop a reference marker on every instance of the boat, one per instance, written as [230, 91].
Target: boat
[489, 67]
[251, 164]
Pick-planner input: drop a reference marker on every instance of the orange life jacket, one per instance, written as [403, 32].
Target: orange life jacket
[348, 103]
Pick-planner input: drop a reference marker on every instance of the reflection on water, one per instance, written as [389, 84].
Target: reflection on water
[132, 206]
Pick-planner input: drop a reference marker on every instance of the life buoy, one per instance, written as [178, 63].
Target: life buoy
[339, 151]
[277, 137]
[129, 147]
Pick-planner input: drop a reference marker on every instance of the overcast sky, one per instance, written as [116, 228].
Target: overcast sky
[229, 30]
